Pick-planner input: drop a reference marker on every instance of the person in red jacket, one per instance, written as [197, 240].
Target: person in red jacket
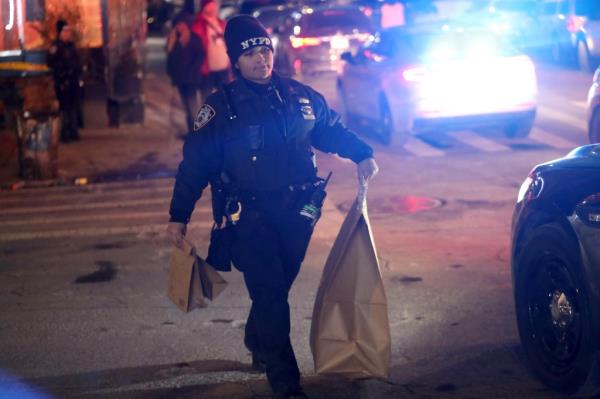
[215, 70]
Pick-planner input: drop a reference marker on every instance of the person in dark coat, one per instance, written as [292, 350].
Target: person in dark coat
[64, 61]
[185, 56]
[259, 132]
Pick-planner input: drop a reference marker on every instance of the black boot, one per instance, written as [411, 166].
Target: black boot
[292, 393]
[258, 365]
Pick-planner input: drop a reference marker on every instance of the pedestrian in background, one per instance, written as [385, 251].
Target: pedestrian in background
[64, 61]
[209, 27]
[258, 132]
[185, 56]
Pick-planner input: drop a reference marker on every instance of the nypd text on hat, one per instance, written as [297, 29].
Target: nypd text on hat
[256, 41]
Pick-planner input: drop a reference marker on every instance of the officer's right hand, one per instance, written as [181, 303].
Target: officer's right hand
[176, 232]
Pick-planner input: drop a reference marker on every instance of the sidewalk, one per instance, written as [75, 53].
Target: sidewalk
[151, 149]
[128, 152]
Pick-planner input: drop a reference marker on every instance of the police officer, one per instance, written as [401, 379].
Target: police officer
[259, 131]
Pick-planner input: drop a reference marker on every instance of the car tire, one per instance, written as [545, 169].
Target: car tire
[520, 128]
[584, 60]
[557, 51]
[387, 123]
[342, 104]
[553, 310]
[388, 131]
[594, 127]
[563, 53]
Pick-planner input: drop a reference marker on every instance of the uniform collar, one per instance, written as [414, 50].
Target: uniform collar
[243, 91]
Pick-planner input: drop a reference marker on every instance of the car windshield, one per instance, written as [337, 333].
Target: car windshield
[437, 47]
[331, 21]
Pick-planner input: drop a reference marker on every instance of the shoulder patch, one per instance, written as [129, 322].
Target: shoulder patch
[204, 116]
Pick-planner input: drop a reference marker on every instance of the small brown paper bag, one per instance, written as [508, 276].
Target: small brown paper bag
[184, 287]
[212, 282]
[350, 331]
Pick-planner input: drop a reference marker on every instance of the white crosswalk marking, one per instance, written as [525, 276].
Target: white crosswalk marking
[479, 142]
[580, 104]
[95, 231]
[555, 114]
[552, 140]
[96, 210]
[86, 206]
[419, 148]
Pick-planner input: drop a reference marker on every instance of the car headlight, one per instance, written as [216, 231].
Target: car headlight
[531, 188]
[524, 188]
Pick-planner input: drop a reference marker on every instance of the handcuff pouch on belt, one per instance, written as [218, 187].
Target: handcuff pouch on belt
[226, 213]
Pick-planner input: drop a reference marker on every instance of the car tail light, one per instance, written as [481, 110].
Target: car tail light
[414, 75]
[575, 23]
[298, 42]
[362, 37]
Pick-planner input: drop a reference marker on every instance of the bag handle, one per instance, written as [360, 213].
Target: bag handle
[188, 247]
[361, 197]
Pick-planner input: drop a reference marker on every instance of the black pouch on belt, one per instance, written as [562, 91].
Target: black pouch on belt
[219, 250]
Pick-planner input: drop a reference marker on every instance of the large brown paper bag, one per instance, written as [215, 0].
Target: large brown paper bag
[350, 331]
[184, 287]
[212, 282]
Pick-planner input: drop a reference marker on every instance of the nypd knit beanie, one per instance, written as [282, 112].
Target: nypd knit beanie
[242, 33]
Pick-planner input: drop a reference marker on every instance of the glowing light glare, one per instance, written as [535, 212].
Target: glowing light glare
[297, 42]
[481, 49]
[524, 188]
[416, 74]
[500, 27]
[463, 88]
[339, 42]
[442, 51]
[297, 30]
[11, 13]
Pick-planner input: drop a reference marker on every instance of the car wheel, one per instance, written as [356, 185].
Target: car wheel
[389, 132]
[594, 128]
[557, 51]
[520, 128]
[552, 310]
[563, 54]
[583, 57]
[343, 105]
[387, 123]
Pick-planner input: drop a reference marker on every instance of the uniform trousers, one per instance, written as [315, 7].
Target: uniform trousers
[269, 245]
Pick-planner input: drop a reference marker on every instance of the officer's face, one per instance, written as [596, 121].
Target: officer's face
[256, 64]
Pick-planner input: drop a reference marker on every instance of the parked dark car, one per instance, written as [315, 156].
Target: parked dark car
[158, 14]
[315, 38]
[249, 6]
[593, 110]
[556, 270]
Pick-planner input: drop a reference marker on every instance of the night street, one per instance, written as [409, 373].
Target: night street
[84, 268]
